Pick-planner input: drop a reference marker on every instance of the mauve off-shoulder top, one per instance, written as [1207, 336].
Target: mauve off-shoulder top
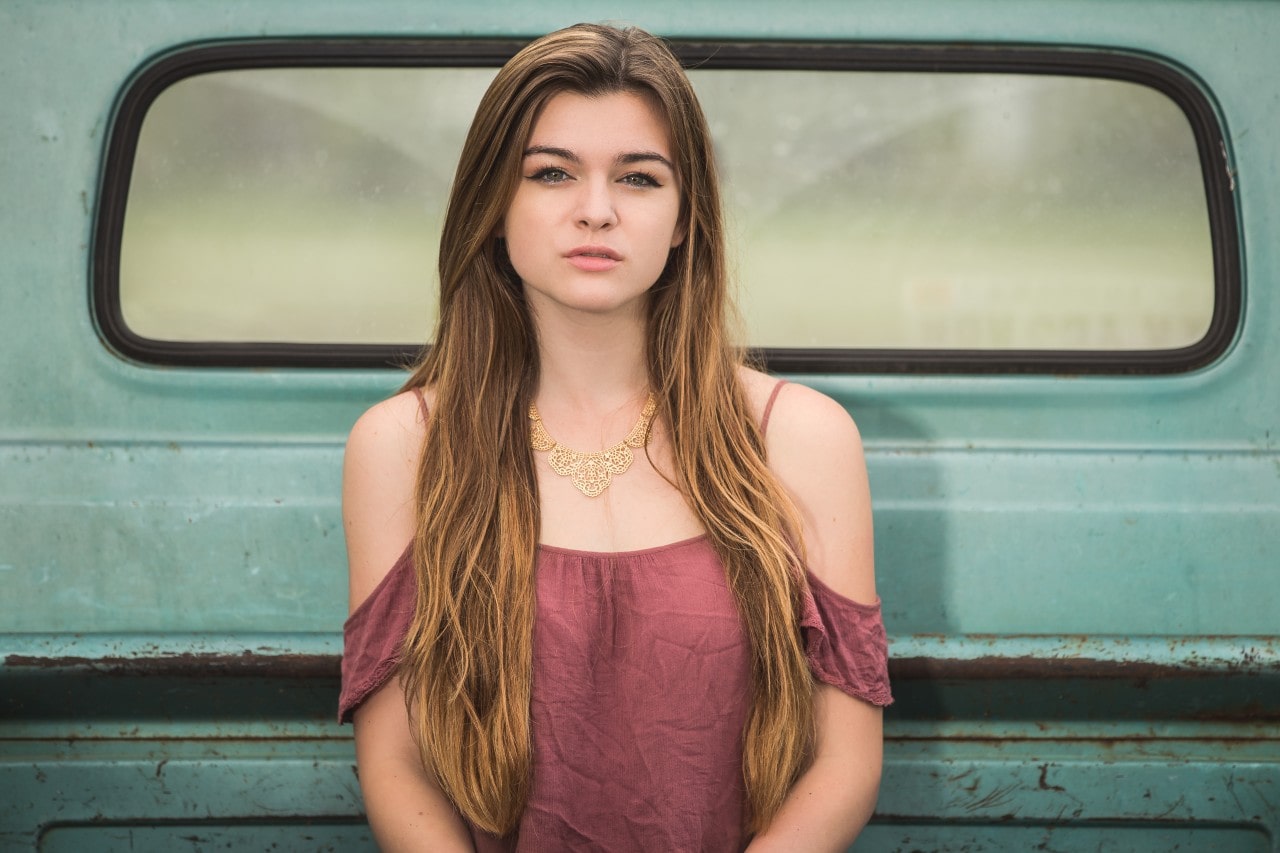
[641, 685]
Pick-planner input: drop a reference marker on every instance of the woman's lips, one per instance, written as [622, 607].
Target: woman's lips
[594, 258]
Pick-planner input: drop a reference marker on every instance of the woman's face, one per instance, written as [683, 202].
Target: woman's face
[597, 207]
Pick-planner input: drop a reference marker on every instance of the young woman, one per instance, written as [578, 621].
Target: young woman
[636, 607]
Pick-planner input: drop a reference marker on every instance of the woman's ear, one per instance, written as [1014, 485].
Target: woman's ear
[681, 230]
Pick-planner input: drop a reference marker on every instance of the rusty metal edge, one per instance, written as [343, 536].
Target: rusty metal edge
[987, 668]
[997, 668]
[246, 664]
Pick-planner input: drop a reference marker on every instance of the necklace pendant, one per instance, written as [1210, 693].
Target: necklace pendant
[617, 459]
[565, 461]
[592, 477]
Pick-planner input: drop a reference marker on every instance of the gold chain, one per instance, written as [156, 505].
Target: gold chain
[592, 472]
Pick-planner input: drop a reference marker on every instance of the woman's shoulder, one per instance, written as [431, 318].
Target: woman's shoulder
[796, 413]
[815, 450]
[397, 416]
[386, 441]
[379, 480]
[390, 432]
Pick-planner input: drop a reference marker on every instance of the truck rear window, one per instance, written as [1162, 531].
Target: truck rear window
[1001, 211]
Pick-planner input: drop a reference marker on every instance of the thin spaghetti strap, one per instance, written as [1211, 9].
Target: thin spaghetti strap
[768, 407]
[422, 402]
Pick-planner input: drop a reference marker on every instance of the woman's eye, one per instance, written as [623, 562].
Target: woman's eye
[550, 175]
[640, 179]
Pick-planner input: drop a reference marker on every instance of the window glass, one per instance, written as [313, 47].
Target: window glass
[903, 210]
[956, 211]
[293, 205]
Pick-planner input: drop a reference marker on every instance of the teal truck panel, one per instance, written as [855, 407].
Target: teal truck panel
[1081, 573]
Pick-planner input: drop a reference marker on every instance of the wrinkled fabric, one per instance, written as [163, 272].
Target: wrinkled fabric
[373, 634]
[641, 684]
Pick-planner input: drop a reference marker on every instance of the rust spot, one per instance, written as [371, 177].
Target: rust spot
[1044, 780]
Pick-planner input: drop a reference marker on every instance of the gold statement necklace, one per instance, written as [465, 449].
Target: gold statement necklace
[592, 472]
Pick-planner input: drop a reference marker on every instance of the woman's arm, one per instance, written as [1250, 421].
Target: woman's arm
[833, 800]
[406, 808]
[815, 450]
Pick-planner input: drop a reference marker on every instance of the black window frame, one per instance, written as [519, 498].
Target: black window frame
[1132, 67]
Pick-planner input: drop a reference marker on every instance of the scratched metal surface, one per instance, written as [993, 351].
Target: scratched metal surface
[995, 744]
[1080, 574]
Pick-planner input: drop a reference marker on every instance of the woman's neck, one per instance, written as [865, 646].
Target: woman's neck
[590, 367]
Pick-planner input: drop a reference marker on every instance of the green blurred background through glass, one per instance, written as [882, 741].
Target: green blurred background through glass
[865, 209]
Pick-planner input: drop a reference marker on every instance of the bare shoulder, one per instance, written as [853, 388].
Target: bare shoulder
[803, 413]
[379, 479]
[815, 450]
[758, 388]
[396, 423]
[799, 416]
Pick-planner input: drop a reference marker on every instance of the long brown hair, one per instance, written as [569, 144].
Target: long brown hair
[467, 659]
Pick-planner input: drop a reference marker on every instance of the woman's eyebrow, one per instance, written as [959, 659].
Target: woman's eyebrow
[623, 159]
[563, 153]
[645, 157]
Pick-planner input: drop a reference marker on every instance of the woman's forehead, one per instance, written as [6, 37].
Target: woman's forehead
[601, 124]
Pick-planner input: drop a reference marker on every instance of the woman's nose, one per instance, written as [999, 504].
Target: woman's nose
[596, 207]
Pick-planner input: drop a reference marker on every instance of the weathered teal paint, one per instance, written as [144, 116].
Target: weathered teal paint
[1081, 574]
